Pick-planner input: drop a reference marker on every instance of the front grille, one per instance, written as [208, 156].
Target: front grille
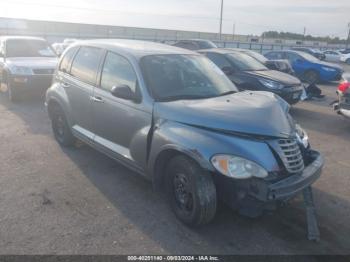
[291, 155]
[43, 71]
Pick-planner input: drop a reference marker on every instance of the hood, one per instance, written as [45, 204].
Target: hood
[330, 65]
[277, 76]
[33, 62]
[251, 113]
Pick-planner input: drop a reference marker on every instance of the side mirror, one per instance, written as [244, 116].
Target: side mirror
[228, 70]
[299, 61]
[124, 92]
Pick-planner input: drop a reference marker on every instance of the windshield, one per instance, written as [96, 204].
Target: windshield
[257, 56]
[245, 62]
[175, 77]
[28, 48]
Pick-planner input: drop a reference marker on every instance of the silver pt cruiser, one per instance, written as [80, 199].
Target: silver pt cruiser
[171, 115]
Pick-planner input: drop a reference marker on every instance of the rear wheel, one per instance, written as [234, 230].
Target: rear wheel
[61, 129]
[311, 77]
[191, 191]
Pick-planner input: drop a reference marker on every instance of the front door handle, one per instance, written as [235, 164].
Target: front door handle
[96, 99]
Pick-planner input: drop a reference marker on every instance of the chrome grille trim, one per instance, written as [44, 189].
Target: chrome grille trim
[291, 155]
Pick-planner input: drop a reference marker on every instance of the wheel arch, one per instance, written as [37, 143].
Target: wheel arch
[163, 158]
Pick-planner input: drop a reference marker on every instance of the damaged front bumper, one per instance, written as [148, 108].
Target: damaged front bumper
[252, 196]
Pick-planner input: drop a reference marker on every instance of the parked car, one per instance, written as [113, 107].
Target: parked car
[307, 67]
[342, 105]
[249, 74]
[332, 55]
[195, 44]
[27, 64]
[314, 52]
[345, 51]
[173, 116]
[345, 58]
[281, 65]
[59, 48]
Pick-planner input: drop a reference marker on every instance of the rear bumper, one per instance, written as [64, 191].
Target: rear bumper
[253, 196]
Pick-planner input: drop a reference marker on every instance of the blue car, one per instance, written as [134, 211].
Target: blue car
[307, 67]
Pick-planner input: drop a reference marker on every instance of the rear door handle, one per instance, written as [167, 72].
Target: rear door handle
[96, 99]
[65, 85]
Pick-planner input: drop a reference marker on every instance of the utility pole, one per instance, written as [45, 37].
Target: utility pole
[348, 40]
[233, 31]
[221, 12]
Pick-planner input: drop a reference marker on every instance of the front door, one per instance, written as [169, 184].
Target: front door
[121, 126]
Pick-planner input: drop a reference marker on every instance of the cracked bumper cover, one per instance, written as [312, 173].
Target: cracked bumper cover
[264, 194]
[294, 184]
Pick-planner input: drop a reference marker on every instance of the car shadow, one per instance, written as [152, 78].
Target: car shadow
[228, 233]
[32, 111]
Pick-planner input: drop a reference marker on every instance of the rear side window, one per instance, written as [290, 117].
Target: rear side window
[219, 60]
[274, 55]
[86, 63]
[67, 60]
[292, 57]
[117, 70]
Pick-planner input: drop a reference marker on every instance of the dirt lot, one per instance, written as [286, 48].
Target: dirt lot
[78, 201]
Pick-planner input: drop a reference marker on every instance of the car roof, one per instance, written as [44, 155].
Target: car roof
[21, 38]
[134, 48]
[221, 50]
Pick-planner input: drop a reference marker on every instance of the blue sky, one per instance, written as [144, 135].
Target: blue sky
[320, 17]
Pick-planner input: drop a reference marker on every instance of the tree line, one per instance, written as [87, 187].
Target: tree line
[288, 35]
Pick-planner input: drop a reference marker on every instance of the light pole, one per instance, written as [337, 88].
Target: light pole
[348, 40]
[221, 11]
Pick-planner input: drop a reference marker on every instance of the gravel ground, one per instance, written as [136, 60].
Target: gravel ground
[78, 201]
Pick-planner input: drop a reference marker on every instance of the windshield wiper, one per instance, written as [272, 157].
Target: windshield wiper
[182, 97]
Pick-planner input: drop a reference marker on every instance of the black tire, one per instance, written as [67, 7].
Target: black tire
[13, 94]
[311, 77]
[61, 129]
[191, 191]
[348, 61]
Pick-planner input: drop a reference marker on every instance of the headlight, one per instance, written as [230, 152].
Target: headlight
[329, 69]
[271, 84]
[302, 136]
[237, 167]
[21, 70]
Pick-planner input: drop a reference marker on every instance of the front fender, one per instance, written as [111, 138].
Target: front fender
[202, 144]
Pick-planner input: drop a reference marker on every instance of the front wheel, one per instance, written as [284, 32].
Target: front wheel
[191, 191]
[311, 77]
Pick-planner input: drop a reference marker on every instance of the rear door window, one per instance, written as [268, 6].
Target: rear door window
[86, 63]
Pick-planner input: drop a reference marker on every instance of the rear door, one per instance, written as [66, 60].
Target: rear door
[79, 85]
[121, 126]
